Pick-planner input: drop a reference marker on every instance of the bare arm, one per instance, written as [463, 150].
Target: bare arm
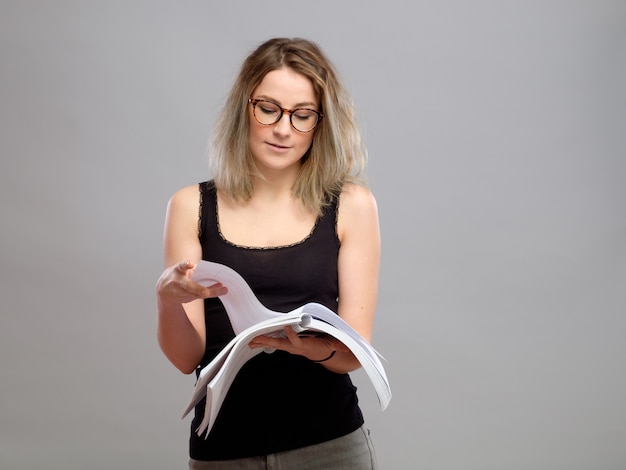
[180, 324]
[358, 265]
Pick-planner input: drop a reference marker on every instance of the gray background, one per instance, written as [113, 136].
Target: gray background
[496, 139]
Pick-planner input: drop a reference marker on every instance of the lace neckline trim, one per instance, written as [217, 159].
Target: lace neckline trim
[259, 248]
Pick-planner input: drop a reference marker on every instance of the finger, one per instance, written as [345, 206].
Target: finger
[183, 266]
[264, 342]
[193, 287]
[293, 337]
[199, 290]
[217, 289]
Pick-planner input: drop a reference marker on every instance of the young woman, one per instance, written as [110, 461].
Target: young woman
[286, 210]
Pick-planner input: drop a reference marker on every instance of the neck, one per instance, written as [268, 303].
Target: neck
[275, 182]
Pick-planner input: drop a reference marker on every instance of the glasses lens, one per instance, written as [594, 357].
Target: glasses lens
[267, 112]
[303, 120]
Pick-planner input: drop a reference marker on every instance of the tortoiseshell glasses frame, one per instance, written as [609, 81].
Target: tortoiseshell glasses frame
[270, 113]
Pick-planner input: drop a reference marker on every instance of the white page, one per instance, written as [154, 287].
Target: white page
[370, 363]
[239, 299]
[249, 319]
[272, 325]
[220, 383]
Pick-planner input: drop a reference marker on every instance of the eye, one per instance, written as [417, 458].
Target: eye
[304, 115]
[267, 108]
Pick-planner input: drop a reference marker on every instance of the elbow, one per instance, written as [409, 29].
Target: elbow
[181, 361]
[185, 369]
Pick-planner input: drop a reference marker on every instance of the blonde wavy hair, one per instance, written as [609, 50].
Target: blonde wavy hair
[337, 154]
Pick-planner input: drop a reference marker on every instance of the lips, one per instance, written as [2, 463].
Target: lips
[278, 146]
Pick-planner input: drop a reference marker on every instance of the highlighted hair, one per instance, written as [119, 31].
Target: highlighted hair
[337, 154]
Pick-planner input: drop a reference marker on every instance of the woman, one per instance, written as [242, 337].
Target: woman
[284, 210]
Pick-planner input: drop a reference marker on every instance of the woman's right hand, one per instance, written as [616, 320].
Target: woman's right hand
[181, 326]
[175, 285]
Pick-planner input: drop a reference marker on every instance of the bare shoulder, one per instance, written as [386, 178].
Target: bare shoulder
[357, 200]
[186, 196]
[185, 200]
[357, 209]
[181, 226]
[182, 208]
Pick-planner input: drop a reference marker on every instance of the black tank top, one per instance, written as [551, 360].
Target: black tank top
[278, 401]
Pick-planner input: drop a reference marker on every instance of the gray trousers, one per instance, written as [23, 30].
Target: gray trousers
[351, 452]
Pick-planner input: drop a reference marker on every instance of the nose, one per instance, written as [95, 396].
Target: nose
[283, 125]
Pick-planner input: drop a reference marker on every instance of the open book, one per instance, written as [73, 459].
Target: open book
[250, 318]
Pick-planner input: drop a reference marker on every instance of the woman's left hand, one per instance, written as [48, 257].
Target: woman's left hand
[315, 348]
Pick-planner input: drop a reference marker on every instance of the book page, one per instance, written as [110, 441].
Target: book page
[250, 318]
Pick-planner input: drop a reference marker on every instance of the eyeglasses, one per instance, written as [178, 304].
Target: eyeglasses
[268, 113]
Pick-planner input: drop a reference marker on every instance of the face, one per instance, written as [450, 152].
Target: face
[279, 147]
